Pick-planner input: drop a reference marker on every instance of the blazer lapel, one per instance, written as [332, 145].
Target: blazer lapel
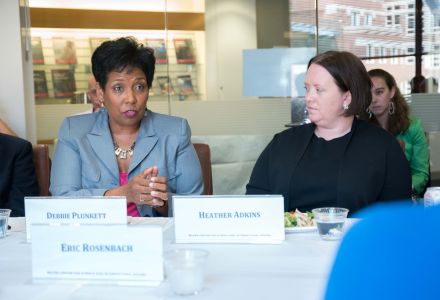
[102, 143]
[145, 142]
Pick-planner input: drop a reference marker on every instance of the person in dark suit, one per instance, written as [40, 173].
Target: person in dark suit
[124, 149]
[338, 159]
[17, 174]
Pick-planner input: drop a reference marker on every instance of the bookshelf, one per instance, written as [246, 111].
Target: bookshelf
[49, 59]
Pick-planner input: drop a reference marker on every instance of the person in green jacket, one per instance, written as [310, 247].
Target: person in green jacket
[391, 112]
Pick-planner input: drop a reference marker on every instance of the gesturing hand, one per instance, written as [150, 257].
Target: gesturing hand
[144, 189]
[148, 188]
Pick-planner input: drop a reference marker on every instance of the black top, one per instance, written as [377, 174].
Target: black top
[321, 157]
[372, 168]
[17, 174]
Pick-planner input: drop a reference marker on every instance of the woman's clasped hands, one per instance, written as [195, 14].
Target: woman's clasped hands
[147, 188]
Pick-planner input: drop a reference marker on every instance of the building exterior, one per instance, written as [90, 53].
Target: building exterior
[382, 33]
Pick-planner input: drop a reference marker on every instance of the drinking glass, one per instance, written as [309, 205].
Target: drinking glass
[185, 270]
[4, 217]
[330, 221]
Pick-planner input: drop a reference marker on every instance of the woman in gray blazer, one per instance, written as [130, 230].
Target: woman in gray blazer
[124, 149]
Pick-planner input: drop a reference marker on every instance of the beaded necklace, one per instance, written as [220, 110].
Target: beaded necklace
[122, 153]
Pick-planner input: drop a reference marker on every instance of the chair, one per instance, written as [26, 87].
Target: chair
[204, 154]
[42, 165]
[391, 253]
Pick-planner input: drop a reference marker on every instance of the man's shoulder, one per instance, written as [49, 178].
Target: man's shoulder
[13, 142]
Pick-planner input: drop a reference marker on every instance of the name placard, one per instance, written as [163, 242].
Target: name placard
[69, 210]
[122, 254]
[229, 219]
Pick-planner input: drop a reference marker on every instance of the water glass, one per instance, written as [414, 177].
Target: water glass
[330, 221]
[185, 270]
[4, 217]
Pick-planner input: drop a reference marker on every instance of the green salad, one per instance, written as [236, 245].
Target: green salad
[298, 219]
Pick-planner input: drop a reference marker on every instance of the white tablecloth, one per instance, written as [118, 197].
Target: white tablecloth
[295, 269]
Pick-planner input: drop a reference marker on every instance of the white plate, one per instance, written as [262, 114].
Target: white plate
[300, 229]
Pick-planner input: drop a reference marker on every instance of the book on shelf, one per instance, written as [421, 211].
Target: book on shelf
[184, 51]
[40, 84]
[185, 84]
[95, 42]
[63, 83]
[37, 51]
[64, 51]
[160, 49]
[166, 88]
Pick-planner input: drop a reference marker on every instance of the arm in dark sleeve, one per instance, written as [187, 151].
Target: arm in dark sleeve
[259, 182]
[24, 181]
[397, 185]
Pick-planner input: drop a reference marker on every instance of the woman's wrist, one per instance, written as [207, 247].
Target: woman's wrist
[162, 210]
[118, 191]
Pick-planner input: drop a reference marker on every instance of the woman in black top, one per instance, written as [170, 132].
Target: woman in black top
[337, 160]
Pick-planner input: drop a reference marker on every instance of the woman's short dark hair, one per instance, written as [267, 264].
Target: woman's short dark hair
[349, 74]
[120, 54]
[398, 121]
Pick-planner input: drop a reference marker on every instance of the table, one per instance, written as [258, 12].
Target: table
[295, 269]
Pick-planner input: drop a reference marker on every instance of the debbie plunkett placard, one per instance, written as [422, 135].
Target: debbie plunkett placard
[71, 210]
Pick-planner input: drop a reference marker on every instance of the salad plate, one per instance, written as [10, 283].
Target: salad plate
[297, 229]
[296, 221]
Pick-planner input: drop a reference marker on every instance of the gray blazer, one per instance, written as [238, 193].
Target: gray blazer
[84, 162]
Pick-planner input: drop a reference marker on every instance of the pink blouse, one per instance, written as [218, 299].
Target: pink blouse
[131, 207]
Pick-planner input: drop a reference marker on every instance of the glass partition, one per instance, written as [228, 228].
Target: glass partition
[223, 64]
[65, 36]
[382, 33]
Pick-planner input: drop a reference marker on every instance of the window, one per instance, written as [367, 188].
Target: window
[355, 19]
[382, 54]
[389, 20]
[394, 52]
[411, 23]
[368, 19]
[369, 53]
[391, 29]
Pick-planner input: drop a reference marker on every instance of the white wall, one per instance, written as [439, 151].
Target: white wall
[230, 27]
[17, 105]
